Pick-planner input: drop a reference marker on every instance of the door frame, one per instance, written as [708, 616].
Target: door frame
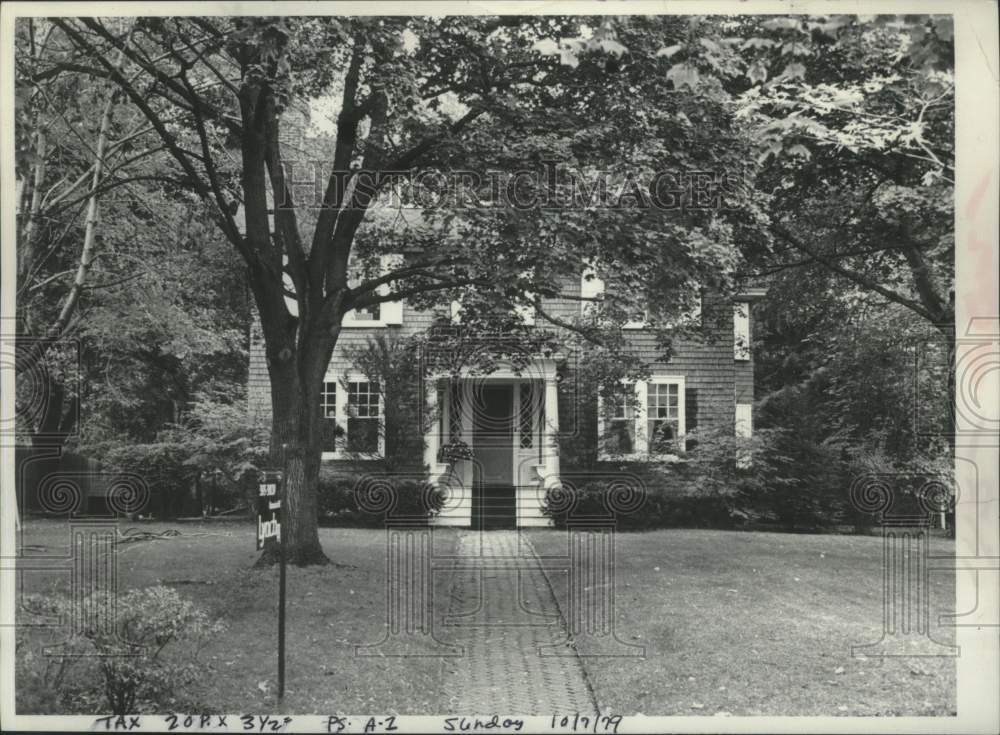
[541, 371]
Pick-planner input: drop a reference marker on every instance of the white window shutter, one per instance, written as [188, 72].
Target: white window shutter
[641, 440]
[526, 312]
[390, 312]
[341, 404]
[741, 331]
[591, 287]
[744, 430]
[744, 420]
[696, 310]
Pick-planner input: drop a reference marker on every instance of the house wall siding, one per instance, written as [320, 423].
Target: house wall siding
[714, 380]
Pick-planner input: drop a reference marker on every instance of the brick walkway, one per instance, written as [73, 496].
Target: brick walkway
[502, 612]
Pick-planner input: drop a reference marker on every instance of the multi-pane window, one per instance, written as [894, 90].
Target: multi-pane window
[367, 313]
[620, 426]
[328, 399]
[662, 416]
[644, 419]
[363, 416]
[352, 418]
[377, 315]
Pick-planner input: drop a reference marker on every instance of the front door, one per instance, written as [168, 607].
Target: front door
[493, 499]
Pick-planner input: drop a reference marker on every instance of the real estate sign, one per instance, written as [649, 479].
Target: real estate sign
[268, 508]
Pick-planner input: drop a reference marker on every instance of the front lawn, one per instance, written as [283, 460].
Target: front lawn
[738, 623]
[330, 610]
[759, 624]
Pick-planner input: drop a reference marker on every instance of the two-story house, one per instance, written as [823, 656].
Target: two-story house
[511, 419]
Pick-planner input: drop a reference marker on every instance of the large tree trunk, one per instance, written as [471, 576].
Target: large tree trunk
[296, 447]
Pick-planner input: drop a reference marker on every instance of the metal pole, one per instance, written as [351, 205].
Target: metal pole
[281, 579]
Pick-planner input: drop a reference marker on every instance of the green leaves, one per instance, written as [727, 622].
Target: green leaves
[757, 72]
[684, 75]
[569, 50]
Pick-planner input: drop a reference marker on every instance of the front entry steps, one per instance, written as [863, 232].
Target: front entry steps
[494, 506]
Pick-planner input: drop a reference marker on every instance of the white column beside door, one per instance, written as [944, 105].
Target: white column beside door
[529, 510]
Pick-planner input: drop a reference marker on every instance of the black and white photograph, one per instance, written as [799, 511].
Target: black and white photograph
[592, 367]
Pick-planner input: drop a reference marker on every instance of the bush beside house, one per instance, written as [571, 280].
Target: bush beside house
[364, 497]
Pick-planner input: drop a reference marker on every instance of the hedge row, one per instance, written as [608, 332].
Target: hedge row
[367, 501]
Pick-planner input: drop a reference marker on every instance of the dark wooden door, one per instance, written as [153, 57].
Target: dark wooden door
[493, 434]
[493, 503]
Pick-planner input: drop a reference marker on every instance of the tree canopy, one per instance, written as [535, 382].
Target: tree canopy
[495, 158]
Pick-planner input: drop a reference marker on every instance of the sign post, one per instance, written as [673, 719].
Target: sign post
[269, 521]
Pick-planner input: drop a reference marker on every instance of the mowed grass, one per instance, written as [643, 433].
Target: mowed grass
[330, 611]
[760, 624]
[738, 623]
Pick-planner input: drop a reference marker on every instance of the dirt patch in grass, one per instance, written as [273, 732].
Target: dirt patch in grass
[760, 624]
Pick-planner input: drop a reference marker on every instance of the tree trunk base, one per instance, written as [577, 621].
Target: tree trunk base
[305, 557]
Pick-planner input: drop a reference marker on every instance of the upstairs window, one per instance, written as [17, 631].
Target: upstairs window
[592, 292]
[371, 313]
[389, 313]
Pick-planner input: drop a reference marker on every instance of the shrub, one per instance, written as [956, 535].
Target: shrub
[125, 667]
[662, 507]
[791, 482]
[217, 441]
[48, 681]
[355, 500]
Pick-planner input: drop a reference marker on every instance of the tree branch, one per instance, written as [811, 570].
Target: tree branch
[855, 277]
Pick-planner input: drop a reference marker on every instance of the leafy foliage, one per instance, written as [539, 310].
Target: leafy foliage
[394, 364]
[835, 135]
[218, 440]
[340, 506]
[133, 666]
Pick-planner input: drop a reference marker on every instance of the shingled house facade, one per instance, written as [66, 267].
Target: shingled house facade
[509, 421]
